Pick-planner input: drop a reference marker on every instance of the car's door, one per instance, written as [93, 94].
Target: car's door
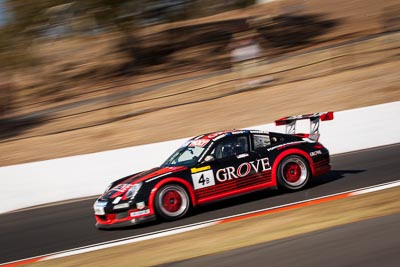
[260, 142]
[232, 169]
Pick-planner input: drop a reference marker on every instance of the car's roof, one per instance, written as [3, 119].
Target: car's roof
[214, 136]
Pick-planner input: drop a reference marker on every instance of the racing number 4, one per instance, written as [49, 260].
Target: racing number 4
[203, 179]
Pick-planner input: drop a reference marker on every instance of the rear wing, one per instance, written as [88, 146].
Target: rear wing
[314, 118]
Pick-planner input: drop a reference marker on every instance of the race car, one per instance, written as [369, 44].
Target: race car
[216, 166]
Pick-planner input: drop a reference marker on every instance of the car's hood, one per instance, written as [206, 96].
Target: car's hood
[121, 188]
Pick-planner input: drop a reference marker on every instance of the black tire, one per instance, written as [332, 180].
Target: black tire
[172, 202]
[293, 173]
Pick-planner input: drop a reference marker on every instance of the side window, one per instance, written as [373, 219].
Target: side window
[261, 141]
[231, 146]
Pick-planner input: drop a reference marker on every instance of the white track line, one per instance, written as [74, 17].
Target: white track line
[187, 228]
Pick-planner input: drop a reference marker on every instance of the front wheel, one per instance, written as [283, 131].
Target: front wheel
[172, 202]
[293, 173]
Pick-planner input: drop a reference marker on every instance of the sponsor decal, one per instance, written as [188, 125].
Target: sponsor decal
[140, 205]
[242, 170]
[122, 188]
[258, 132]
[242, 156]
[219, 137]
[138, 213]
[200, 142]
[203, 179]
[298, 117]
[319, 115]
[315, 153]
[116, 200]
[285, 145]
[205, 168]
[305, 116]
[121, 206]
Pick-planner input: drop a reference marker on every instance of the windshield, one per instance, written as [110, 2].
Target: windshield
[187, 155]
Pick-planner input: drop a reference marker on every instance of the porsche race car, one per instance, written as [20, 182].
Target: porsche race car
[216, 166]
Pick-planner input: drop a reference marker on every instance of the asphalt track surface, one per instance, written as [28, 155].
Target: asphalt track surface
[51, 229]
[373, 242]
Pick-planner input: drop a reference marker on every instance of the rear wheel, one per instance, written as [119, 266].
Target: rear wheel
[293, 172]
[172, 202]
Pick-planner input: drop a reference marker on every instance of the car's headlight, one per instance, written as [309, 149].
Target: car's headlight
[133, 191]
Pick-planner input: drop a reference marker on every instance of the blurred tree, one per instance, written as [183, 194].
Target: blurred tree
[26, 20]
[30, 19]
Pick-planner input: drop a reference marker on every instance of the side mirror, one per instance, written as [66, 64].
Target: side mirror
[209, 158]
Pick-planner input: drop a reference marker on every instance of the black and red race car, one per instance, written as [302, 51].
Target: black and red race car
[216, 166]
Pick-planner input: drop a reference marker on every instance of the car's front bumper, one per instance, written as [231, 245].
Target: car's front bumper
[117, 224]
[108, 217]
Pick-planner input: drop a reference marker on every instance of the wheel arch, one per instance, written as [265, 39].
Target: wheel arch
[284, 154]
[172, 180]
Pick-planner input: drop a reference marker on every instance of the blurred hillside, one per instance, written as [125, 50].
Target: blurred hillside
[68, 68]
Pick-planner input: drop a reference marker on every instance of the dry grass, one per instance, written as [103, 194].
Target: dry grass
[336, 79]
[241, 233]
